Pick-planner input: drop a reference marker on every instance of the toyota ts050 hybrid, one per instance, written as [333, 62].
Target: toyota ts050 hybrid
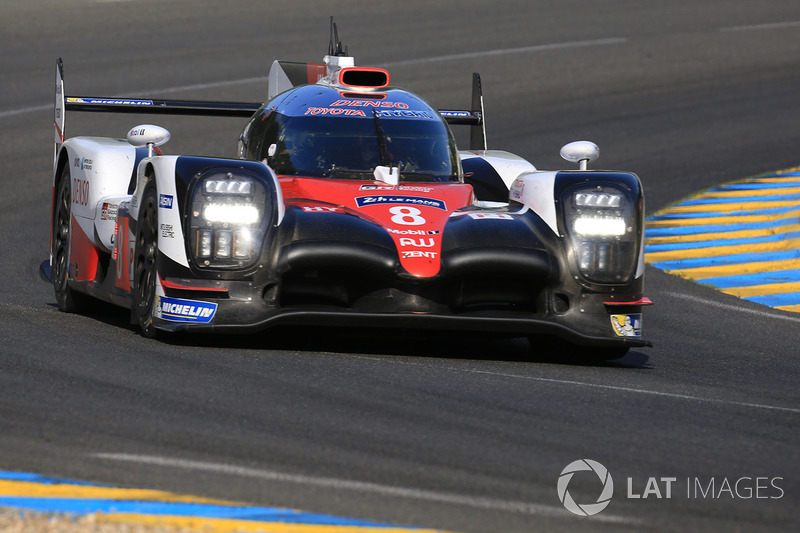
[348, 204]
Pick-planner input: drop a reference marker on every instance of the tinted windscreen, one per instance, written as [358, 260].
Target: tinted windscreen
[351, 147]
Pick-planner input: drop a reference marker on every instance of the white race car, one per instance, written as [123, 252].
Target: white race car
[349, 204]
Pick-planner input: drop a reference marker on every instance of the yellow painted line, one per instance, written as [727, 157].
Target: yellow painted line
[773, 179]
[738, 193]
[763, 290]
[224, 525]
[736, 269]
[702, 221]
[69, 491]
[90, 492]
[740, 234]
[731, 207]
[716, 209]
[716, 251]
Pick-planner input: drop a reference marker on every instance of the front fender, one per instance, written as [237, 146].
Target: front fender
[175, 178]
[161, 170]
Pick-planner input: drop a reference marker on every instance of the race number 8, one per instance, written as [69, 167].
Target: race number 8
[407, 216]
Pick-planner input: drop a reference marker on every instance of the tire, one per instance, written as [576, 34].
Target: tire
[69, 301]
[146, 263]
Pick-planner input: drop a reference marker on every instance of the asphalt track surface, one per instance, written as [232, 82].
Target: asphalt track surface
[459, 433]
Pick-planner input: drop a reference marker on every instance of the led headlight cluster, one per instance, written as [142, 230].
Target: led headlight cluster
[227, 220]
[601, 223]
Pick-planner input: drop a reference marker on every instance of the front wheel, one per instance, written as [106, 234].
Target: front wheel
[146, 263]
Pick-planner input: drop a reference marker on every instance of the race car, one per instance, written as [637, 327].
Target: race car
[347, 205]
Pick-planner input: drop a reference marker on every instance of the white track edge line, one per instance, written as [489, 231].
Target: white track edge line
[361, 486]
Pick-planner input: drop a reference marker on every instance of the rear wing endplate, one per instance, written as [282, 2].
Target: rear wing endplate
[474, 118]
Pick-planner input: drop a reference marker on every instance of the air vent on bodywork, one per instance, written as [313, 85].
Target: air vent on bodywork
[371, 78]
[365, 96]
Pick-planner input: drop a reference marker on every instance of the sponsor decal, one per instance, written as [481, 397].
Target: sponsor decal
[167, 231]
[627, 325]
[334, 111]
[411, 188]
[363, 201]
[80, 192]
[165, 201]
[320, 209]
[422, 243]
[383, 113]
[109, 211]
[83, 163]
[115, 101]
[419, 253]
[491, 216]
[177, 310]
[369, 103]
[517, 188]
[415, 188]
[413, 231]
[455, 114]
[402, 113]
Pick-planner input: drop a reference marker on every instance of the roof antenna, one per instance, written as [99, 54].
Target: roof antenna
[335, 46]
[338, 57]
[331, 51]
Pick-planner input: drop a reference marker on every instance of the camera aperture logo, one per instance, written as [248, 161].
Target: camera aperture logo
[585, 509]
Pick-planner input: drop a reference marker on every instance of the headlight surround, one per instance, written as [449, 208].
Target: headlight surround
[228, 217]
[601, 222]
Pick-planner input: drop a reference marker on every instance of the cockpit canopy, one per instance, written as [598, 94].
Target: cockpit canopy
[336, 135]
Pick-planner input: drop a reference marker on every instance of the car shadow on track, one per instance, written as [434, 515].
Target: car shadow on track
[454, 345]
[405, 343]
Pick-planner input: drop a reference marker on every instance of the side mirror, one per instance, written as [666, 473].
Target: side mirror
[388, 175]
[581, 152]
[148, 135]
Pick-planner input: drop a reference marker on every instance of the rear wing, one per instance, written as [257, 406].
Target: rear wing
[286, 75]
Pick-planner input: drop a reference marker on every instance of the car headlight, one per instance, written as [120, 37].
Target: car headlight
[227, 221]
[599, 226]
[601, 222]
[231, 213]
[228, 185]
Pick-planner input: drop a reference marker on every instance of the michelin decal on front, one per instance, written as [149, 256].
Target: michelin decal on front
[185, 310]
